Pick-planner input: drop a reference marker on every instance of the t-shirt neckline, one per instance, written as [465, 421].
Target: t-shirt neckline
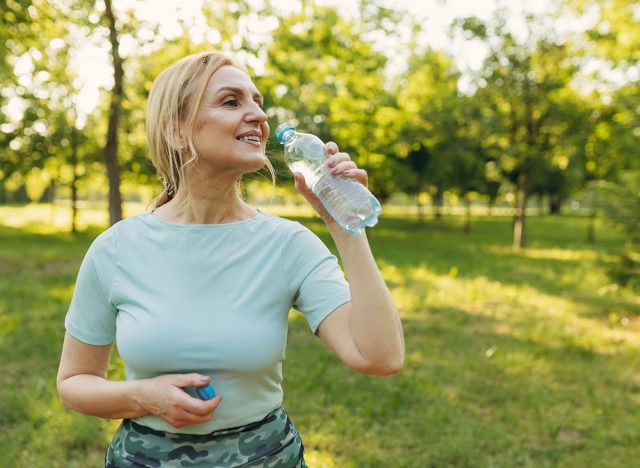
[155, 220]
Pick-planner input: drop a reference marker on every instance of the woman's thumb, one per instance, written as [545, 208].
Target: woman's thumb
[301, 183]
[193, 380]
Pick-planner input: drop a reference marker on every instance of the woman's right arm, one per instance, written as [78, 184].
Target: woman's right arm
[83, 387]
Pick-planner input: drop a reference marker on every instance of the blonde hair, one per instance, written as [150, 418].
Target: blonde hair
[173, 101]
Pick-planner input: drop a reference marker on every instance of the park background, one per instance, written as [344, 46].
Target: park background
[501, 137]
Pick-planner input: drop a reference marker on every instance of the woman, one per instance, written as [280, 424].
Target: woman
[198, 290]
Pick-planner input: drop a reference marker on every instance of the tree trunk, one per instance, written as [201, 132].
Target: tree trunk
[467, 218]
[52, 200]
[111, 146]
[519, 222]
[438, 201]
[74, 179]
[419, 207]
[52, 191]
[554, 204]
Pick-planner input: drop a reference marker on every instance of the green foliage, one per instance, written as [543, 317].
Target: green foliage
[525, 125]
[513, 359]
[616, 33]
[327, 78]
[16, 21]
[524, 86]
[620, 204]
[43, 140]
[429, 122]
[612, 145]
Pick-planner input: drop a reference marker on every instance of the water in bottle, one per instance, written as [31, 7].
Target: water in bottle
[349, 202]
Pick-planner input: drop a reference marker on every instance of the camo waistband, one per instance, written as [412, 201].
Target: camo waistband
[271, 442]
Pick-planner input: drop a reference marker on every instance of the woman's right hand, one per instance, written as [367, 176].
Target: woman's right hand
[164, 397]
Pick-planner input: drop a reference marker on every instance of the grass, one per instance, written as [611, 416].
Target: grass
[513, 359]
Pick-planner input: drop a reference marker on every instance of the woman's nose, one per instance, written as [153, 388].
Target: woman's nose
[256, 113]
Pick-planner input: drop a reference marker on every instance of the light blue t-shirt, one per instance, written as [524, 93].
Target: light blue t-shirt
[207, 298]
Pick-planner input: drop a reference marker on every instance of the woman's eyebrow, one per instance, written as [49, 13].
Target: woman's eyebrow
[238, 91]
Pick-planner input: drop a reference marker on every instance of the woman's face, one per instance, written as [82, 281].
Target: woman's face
[231, 128]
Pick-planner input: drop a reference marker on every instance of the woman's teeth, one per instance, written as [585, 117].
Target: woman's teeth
[250, 138]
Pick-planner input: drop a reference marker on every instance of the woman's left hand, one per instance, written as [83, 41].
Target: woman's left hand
[338, 164]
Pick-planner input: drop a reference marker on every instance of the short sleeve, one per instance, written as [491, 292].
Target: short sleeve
[316, 283]
[92, 317]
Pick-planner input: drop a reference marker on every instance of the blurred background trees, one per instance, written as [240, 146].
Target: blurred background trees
[549, 118]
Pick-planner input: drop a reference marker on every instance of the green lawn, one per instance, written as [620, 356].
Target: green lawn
[513, 359]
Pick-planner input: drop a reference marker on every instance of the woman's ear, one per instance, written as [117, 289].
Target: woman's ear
[176, 140]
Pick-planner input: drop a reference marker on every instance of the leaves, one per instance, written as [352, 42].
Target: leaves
[416, 130]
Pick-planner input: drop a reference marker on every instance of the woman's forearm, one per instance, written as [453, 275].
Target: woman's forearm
[95, 396]
[375, 323]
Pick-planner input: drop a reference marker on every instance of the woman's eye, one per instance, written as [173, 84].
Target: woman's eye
[231, 103]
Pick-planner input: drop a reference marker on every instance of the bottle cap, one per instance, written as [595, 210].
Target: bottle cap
[285, 132]
[206, 393]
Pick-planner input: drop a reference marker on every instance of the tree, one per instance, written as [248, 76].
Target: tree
[620, 202]
[430, 132]
[17, 31]
[611, 145]
[525, 84]
[48, 148]
[117, 95]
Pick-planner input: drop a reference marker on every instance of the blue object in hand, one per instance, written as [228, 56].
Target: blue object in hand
[204, 393]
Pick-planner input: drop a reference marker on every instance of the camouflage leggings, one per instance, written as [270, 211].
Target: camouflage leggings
[271, 442]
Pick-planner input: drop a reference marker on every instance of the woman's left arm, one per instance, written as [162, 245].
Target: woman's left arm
[366, 333]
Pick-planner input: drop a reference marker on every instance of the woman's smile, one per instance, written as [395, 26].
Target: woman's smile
[253, 137]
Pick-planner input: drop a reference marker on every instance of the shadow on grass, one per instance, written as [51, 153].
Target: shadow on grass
[466, 396]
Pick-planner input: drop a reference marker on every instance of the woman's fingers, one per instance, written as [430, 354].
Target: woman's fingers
[300, 183]
[337, 158]
[190, 410]
[338, 164]
[331, 148]
[303, 188]
[198, 411]
[189, 380]
[359, 174]
[199, 407]
[165, 397]
[341, 164]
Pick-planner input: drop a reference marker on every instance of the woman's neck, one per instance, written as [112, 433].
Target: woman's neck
[205, 206]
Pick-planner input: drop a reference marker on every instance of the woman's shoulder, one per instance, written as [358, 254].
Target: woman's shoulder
[293, 237]
[106, 243]
[284, 226]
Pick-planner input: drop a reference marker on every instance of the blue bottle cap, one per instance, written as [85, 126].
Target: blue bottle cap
[285, 132]
[206, 393]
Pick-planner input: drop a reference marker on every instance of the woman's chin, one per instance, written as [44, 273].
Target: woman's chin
[257, 164]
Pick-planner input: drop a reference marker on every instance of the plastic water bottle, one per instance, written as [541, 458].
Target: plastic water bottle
[348, 201]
